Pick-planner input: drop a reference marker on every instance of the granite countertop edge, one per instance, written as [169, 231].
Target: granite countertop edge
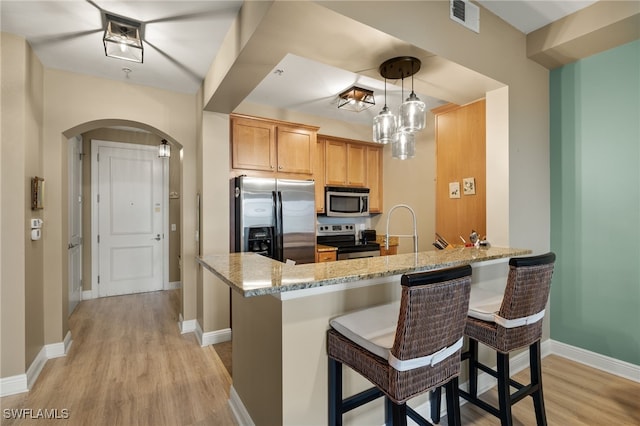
[331, 273]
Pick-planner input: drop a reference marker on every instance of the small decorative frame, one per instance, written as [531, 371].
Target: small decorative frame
[469, 186]
[37, 193]
[454, 189]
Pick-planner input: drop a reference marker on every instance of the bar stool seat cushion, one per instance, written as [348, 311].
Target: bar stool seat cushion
[373, 329]
[484, 303]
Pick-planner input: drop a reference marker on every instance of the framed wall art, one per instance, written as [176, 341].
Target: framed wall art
[469, 186]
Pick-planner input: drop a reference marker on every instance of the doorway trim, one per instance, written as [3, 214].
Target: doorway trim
[95, 267]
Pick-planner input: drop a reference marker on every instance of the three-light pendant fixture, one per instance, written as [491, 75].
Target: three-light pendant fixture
[400, 130]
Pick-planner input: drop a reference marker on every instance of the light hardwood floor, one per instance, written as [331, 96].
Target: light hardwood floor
[129, 365]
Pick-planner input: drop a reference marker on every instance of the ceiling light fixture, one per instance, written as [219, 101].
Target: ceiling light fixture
[122, 39]
[164, 149]
[356, 99]
[400, 131]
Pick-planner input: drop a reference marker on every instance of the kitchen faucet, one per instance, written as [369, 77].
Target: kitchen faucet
[415, 228]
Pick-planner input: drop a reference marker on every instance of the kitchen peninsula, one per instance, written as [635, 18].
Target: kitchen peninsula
[280, 314]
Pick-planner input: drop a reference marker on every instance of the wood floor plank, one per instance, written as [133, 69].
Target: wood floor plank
[129, 365]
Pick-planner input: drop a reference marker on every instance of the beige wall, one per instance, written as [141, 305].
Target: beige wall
[213, 306]
[21, 272]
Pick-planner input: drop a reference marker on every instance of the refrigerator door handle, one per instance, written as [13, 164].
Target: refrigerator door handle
[280, 231]
[277, 218]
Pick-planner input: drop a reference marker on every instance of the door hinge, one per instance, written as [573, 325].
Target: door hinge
[98, 157]
[98, 238]
[98, 198]
[98, 279]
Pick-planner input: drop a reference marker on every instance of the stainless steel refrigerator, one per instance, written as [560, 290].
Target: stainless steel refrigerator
[274, 217]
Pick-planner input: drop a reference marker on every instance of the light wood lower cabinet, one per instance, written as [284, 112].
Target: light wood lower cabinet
[326, 254]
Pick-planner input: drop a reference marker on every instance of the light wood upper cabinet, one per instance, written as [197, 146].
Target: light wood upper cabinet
[318, 175]
[345, 163]
[374, 178]
[253, 144]
[335, 162]
[356, 165]
[296, 149]
[272, 146]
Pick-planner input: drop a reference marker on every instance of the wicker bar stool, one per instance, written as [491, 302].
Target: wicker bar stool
[505, 323]
[405, 349]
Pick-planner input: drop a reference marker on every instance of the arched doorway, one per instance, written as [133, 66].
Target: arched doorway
[126, 133]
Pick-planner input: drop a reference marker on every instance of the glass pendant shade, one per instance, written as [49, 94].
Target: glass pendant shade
[384, 126]
[403, 146]
[413, 114]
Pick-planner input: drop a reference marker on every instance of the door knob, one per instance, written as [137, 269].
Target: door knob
[157, 238]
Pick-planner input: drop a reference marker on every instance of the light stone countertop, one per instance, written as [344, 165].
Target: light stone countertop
[323, 248]
[251, 274]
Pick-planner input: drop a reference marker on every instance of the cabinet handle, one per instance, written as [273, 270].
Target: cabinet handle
[279, 167]
[272, 166]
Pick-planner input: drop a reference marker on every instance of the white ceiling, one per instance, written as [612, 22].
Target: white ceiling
[182, 37]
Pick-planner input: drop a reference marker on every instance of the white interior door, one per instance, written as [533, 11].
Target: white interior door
[75, 221]
[130, 218]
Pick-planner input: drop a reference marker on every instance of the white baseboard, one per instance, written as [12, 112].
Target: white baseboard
[56, 350]
[23, 382]
[36, 367]
[188, 326]
[212, 337]
[173, 285]
[13, 384]
[601, 362]
[88, 295]
[239, 411]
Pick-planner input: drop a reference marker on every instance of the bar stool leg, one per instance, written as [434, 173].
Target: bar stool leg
[453, 403]
[388, 411]
[399, 414]
[435, 401]
[504, 391]
[473, 368]
[335, 392]
[536, 380]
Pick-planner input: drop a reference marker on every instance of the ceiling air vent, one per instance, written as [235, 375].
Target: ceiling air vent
[465, 13]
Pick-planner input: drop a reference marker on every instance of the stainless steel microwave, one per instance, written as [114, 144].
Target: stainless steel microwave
[341, 201]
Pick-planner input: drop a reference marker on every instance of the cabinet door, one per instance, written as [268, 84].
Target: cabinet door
[318, 175]
[296, 150]
[335, 162]
[374, 178]
[253, 145]
[356, 165]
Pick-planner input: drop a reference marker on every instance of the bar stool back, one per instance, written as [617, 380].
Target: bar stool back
[514, 322]
[404, 350]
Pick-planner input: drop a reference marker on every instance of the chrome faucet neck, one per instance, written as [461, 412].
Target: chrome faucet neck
[415, 227]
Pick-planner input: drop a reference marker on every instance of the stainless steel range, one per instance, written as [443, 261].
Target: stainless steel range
[344, 237]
